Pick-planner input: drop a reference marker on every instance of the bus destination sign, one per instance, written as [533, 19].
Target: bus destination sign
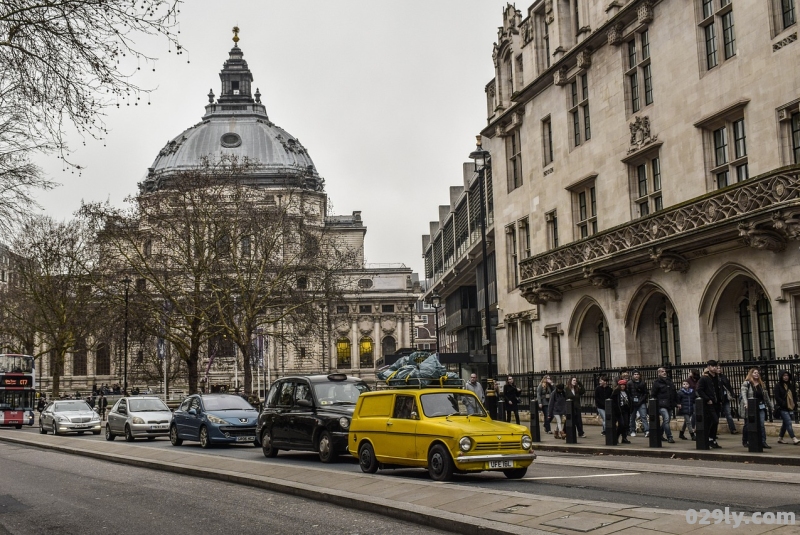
[16, 381]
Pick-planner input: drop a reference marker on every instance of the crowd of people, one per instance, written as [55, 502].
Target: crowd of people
[630, 394]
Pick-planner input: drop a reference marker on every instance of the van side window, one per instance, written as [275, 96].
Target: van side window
[403, 407]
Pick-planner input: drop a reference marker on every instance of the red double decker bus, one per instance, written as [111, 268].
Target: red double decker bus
[17, 390]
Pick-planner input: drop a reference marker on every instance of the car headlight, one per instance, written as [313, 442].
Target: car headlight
[216, 420]
[465, 444]
[137, 420]
[344, 423]
[526, 442]
[61, 419]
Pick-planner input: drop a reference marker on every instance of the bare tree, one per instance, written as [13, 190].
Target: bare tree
[62, 62]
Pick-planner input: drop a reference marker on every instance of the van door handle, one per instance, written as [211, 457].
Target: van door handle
[389, 423]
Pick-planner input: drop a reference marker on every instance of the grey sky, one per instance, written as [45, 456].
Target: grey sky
[387, 97]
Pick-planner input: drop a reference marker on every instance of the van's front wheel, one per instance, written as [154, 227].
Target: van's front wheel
[440, 465]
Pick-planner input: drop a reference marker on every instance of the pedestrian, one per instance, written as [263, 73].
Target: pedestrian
[686, 398]
[90, 401]
[475, 387]
[558, 409]
[637, 390]
[667, 399]
[41, 404]
[574, 391]
[728, 394]
[753, 388]
[622, 407]
[543, 392]
[785, 404]
[102, 404]
[511, 395]
[601, 394]
[710, 391]
[694, 378]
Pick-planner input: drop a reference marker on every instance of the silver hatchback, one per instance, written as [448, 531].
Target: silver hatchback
[138, 417]
[69, 416]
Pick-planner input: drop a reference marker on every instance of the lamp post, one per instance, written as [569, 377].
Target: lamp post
[436, 303]
[127, 283]
[482, 160]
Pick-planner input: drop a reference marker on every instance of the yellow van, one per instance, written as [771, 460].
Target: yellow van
[445, 430]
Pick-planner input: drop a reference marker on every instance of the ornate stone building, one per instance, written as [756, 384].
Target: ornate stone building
[646, 184]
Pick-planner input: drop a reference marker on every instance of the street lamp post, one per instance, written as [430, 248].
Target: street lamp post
[127, 283]
[436, 303]
[482, 160]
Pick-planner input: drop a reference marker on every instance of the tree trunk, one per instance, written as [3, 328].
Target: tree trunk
[191, 364]
[247, 366]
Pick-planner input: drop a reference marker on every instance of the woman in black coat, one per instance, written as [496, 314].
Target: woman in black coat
[622, 406]
[574, 391]
[558, 409]
[511, 396]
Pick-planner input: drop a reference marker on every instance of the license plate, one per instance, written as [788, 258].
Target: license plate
[501, 464]
[157, 427]
[245, 439]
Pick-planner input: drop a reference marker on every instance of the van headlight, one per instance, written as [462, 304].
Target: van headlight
[526, 442]
[465, 444]
[344, 423]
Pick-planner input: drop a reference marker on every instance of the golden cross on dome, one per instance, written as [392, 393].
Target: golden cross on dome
[236, 35]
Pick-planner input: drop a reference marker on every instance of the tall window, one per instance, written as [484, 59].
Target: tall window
[601, 344]
[766, 335]
[514, 155]
[638, 72]
[389, 346]
[716, 15]
[729, 158]
[365, 352]
[79, 360]
[579, 110]
[796, 137]
[524, 238]
[585, 202]
[787, 13]
[547, 139]
[745, 330]
[552, 228]
[546, 42]
[676, 339]
[343, 353]
[511, 252]
[555, 350]
[647, 187]
[664, 338]
[102, 360]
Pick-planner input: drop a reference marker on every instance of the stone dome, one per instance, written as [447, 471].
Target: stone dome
[237, 125]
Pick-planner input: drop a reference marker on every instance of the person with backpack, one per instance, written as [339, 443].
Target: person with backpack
[785, 404]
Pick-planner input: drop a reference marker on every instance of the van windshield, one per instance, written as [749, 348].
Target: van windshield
[451, 404]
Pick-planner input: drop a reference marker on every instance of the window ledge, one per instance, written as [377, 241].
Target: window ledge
[730, 109]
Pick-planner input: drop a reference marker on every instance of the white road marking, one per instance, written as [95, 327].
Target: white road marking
[574, 477]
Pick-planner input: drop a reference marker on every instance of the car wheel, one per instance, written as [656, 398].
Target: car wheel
[173, 436]
[205, 440]
[366, 458]
[516, 473]
[128, 434]
[325, 448]
[55, 429]
[42, 430]
[440, 465]
[109, 435]
[266, 445]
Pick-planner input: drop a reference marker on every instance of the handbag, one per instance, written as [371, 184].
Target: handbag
[776, 413]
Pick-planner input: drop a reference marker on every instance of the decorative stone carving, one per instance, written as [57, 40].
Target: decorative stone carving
[560, 76]
[614, 34]
[644, 13]
[585, 58]
[342, 326]
[599, 279]
[548, 11]
[526, 29]
[540, 295]
[640, 134]
[365, 325]
[787, 224]
[500, 130]
[388, 325]
[762, 239]
[669, 261]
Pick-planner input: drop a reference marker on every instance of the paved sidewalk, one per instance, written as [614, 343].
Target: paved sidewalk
[448, 506]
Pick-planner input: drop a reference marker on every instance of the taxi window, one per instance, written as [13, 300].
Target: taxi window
[379, 405]
[404, 406]
[272, 399]
[285, 396]
[302, 391]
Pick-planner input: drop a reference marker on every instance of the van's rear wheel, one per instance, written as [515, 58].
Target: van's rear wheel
[366, 458]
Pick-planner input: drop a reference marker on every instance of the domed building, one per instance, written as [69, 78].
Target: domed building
[357, 330]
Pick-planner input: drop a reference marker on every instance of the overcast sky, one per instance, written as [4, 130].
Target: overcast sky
[387, 97]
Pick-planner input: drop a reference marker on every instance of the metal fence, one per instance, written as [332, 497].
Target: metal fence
[735, 371]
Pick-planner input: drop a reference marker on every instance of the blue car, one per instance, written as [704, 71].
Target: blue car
[214, 419]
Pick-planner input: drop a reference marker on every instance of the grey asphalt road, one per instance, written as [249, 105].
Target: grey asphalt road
[619, 483]
[49, 492]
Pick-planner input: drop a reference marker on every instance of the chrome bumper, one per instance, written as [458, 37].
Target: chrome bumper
[496, 457]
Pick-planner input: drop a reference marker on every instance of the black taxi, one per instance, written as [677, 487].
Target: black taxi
[309, 413]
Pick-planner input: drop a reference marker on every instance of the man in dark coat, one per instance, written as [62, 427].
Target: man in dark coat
[511, 396]
[102, 405]
[728, 394]
[709, 390]
[601, 394]
[638, 392]
[667, 399]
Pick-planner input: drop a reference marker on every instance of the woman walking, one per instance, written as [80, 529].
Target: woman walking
[753, 388]
[785, 403]
[558, 409]
[543, 393]
[686, 398]
[622, 406]
[574, 392]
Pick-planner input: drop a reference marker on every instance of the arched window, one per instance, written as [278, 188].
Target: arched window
[102, 360]
[343, 353]
[662, 329]
[676, 339]
[389, 346]
[766, 336]
[365, 352]
[746, 329]
[601, 344]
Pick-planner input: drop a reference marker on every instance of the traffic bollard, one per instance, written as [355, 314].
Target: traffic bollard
[501, 408]
[702, 420]
[753, 428]
[569, 425]
[536, 433]
[655, 429]
[611, 424]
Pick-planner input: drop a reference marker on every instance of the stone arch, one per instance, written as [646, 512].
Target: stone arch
[588, 335]
[717, 285]
[388, 346]
[652, 327]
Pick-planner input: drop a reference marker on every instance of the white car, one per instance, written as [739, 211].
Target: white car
[69, 416]
[138, 417]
